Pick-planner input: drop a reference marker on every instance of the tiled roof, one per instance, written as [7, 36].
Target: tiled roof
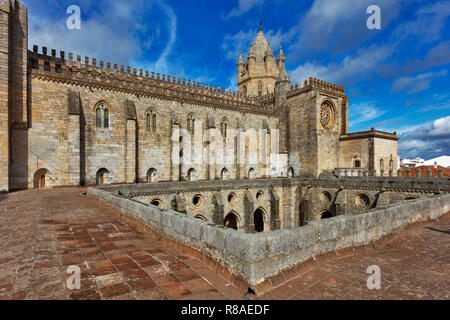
[424, 173]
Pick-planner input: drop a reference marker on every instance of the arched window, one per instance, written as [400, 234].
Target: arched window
[102, 116]
[151, 175]
[357, 164]
[224, 174]
[224, 128]
[191, 175]
[147, 122]
[245, 90]
[251, 173]
[191, 124]
[260, 87]
[98, 113]
[381, 164]
[106, 118]
[154, 123]
[291, 173]
[150, 121]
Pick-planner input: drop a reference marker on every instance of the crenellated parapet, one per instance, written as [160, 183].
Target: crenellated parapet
[95, 73]
[370, 134]
[314, 83]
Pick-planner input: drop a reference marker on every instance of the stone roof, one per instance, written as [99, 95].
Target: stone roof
[261, 46]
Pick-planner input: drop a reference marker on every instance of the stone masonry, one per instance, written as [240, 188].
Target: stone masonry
[74, 121]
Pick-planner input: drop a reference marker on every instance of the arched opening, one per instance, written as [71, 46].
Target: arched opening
[200, 217]
[191, 174]
[260, 88]
[291, 173]
[231, 197]
[362, 201]
[252, 173]
[259, 195]
[40, 178]
[357, 164]
[325, 198]
[302, 213]
[151, 175]
[101, 175]
[198, 201]
[259, 220]
[231, 221]
[157, 203]
[326, 215]
[225, 174]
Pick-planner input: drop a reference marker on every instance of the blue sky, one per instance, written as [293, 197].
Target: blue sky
[397, 78]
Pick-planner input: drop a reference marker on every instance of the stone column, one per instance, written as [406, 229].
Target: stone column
[249, 211]
[219, 211]
[18, 93]
[130, 171]
[274, 210]
[4, 99]
[175, 154]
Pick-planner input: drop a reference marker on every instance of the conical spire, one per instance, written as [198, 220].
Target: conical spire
[281, 55]
[269, 51]
[241, 60]
[283, 76]
[251, 53]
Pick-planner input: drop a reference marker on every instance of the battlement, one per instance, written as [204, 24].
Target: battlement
[315, 83]
[369, 134]
[96, 72]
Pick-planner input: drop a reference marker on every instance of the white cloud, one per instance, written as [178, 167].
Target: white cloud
[338, 26]
[413, 84]
[364, 112]
[353, 68]
[428, 141]
[429, 23]
[113, 32]
[243, 7]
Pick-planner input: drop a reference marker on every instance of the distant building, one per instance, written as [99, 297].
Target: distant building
[424, 171]
[411, 163]
[443, 161]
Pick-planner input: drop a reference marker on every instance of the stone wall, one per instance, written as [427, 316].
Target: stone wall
[4, 97]
[257, 257]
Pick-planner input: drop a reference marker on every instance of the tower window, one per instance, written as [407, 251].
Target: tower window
[102, 116]
[150, 121]
[191, 124]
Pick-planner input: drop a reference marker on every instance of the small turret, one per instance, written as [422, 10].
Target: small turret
[251, 61]
[280, 59]
[241, 67]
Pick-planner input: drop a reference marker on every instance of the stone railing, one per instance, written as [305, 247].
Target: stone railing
[255, 258]
[349, 172]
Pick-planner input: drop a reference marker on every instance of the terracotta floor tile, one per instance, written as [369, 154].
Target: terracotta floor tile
[44, 232]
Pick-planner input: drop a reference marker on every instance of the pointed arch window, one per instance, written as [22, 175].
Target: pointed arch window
[224, 128]
[102, 116]
[151, 121]
[191, 124]
[260, 87]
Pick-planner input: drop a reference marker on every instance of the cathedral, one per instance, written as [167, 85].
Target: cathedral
[72, 121]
